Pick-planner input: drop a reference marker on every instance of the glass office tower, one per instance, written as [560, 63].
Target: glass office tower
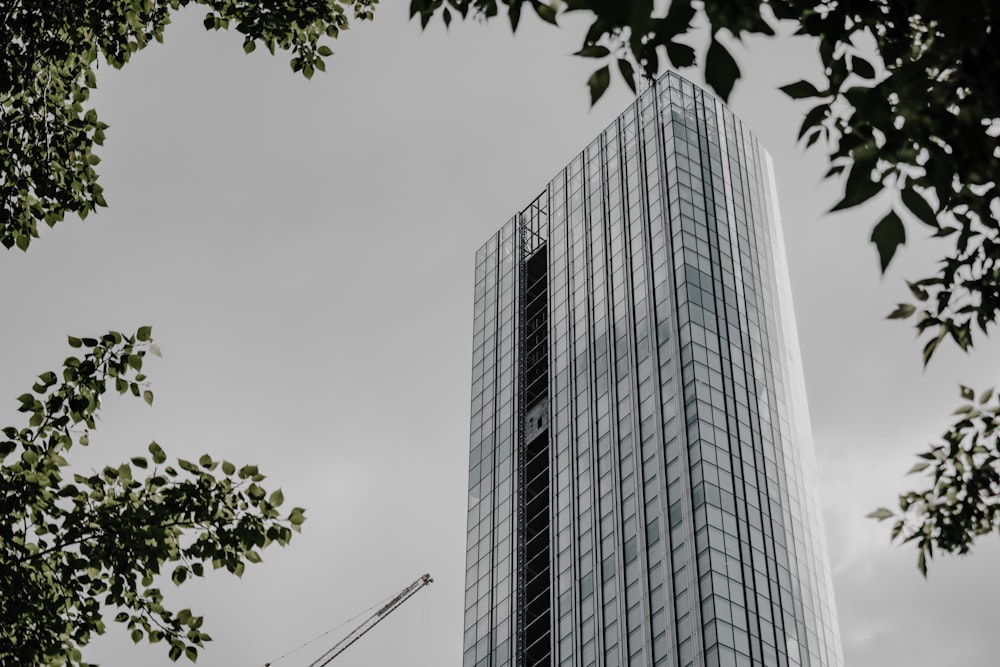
[640, 461]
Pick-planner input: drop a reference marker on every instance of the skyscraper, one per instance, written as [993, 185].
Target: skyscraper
[640, 459]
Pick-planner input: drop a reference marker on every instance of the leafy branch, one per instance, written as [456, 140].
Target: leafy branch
[963, 499]
[72, 546]
[49, 66]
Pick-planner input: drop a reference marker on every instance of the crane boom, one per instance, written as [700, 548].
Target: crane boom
[373, 620]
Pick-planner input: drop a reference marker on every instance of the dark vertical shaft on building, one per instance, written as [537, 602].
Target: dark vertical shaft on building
[534, 571]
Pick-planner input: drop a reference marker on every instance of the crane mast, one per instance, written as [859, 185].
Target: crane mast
[373, 620]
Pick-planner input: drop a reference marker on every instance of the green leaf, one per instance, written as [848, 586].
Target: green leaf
[800, 89]
[881, 514]
[159, 456]
[248, 471]
[859, 187]
[598, 83]
[896, 530]
[276, 498]
[228, 468]
[813, 119]
[967, 392]
[932, 345]
[147, 396]
[986, 396]
[918, 467]
[917, 291]
[75, 342]
[680, 54]
[678, 18]
[628, 73]
[514, 14]
[887, 236]
[903, 311]
[143, 333]
[919, 207]
[862, 67]
[545, 12]
[721, 71]
[593, 51]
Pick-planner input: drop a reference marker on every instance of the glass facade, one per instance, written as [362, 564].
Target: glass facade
[640, 459]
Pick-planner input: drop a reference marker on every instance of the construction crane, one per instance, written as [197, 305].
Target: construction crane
[373, 620]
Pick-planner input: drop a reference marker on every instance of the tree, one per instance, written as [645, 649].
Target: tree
[73, 547]
[49, 66]
[915, 119]
[963, 500]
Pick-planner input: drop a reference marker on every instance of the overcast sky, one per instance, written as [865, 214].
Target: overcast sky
[304, 252]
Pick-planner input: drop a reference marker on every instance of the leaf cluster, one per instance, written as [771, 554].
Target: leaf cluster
[923, 123]
[75, 547]
[962, 501]
[49, 66]
[629, 34]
